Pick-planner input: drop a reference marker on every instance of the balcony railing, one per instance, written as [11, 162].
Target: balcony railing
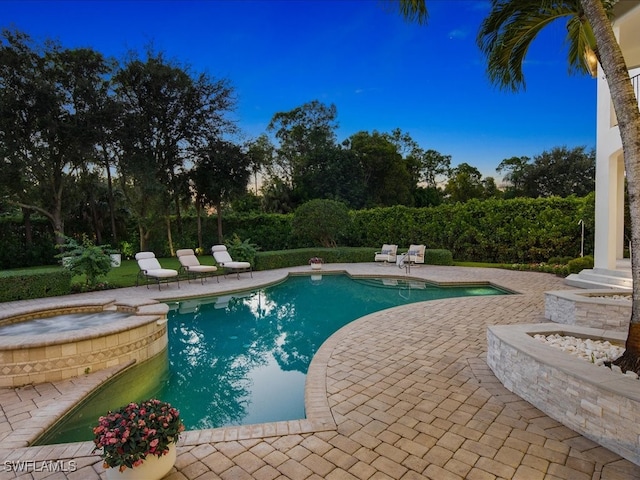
[635, 83]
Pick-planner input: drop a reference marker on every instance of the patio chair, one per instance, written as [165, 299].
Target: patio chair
[150, 269]
[387, 254]
[223, 259]
[415, 254]
[190, 264]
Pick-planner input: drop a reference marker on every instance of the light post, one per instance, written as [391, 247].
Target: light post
[581, 222]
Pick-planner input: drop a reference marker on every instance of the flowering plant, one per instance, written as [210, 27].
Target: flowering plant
[135, 431]
[313, 260]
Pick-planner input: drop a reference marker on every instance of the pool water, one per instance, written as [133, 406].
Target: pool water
[242, 358]
[61, 323]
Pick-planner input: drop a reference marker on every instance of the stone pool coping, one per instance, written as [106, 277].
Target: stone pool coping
[318, 414]
[598, 403]
[54, 356]
[343, 437]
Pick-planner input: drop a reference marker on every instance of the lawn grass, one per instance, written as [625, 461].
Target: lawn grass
[126, 274]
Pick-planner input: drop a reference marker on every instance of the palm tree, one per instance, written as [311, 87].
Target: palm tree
[505, 36]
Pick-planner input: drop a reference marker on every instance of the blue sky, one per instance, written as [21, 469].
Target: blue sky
[380, 72]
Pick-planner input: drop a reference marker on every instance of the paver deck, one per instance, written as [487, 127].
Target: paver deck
[400, 394]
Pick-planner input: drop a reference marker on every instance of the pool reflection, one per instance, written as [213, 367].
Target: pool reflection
[243, 358]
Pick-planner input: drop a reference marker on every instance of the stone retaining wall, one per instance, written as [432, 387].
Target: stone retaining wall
[594, 401]
[32, 359]
[604, 309]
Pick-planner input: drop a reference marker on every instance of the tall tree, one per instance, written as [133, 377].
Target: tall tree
[465, 183]
[303, 132]
[169, 113]
[515, 175]
[504, 38]
[260, 152]
[563, 172]
[49, 117]
[222, 172]
[386, 178]
[560, 171]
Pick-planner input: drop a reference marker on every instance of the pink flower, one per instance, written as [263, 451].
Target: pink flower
[136, 431]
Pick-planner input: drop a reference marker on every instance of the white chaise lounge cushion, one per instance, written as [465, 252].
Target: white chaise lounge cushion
[190, 262]
[223, 258]
[149, 264]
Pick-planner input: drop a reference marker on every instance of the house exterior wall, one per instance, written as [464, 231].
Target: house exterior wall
[609, 209]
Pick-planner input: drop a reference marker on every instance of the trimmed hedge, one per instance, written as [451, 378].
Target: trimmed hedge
[578, 264]
[438, 257]
[301, 256]
[519, 230]
[37, 283]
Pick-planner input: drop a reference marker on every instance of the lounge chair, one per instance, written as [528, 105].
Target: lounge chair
[387, 254]
[223, 259]
[415, 254]
[150, 269]
[190, 264]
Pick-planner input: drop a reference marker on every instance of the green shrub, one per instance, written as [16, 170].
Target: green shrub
[559, 260]
[519, 230]
[438, 257]
[321, 222]
[242, 251]
[37, 283]
[16, 252]
[581, 263]
[301, 256]
[92, 261]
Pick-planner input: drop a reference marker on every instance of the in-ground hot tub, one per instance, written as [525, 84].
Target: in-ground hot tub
[64, 340]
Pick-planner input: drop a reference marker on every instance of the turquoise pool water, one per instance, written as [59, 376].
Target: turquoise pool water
[242, 358]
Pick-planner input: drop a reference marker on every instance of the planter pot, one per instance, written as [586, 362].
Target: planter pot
[116, 259]
[152, 468]
[316, 266]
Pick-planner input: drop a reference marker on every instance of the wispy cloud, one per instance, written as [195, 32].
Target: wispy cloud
[458, 34]
[359, 91]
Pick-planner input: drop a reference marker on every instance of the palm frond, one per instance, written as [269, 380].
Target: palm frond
[511, 27]
[582, 41]
[412, 10]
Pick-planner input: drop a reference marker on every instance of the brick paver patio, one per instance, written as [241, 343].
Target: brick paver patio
[400, 394]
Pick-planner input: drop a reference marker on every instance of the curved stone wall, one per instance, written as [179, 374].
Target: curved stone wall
[31, 359]
[606, 309]
[594, 401]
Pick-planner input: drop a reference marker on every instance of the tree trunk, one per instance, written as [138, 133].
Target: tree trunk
[114, 233]
[28, 228]
[144, 237]
[625, 104]
[169, 236]
[219, 217]
[199, 220]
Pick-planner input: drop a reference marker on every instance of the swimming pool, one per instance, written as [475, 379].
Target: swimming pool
[242, 358]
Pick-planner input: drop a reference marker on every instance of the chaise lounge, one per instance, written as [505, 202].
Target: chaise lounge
[150, 268]
[223, 259]
[190, 264]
